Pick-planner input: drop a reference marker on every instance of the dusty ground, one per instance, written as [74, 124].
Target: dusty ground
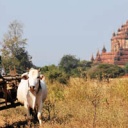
[81, 104]
[13, 116]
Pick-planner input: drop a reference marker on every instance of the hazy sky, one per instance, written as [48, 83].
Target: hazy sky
[55, 28]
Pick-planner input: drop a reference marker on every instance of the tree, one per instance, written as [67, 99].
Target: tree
[68, 62]
[13, 48]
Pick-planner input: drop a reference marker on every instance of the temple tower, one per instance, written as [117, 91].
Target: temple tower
[120, 39]
[119, 49]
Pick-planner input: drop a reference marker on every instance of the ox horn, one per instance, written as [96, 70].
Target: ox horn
[39, 69]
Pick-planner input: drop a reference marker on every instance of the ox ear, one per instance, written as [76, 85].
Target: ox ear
[42, 77]
[24, 76]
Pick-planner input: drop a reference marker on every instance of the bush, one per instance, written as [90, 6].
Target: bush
[53, 73]
[101, 70]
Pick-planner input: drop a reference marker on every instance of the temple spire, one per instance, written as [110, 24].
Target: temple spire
[92, 58]
[104, 49]
[98, 53]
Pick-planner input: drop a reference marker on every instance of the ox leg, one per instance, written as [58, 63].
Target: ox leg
[39, 113]
[28, 111]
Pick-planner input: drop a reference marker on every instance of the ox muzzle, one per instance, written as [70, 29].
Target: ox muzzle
[34, 86]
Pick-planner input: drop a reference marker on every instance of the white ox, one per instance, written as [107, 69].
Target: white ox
[32, 92]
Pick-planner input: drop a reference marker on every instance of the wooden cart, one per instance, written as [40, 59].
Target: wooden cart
[8, 87]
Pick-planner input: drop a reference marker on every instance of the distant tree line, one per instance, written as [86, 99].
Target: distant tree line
[70, 66]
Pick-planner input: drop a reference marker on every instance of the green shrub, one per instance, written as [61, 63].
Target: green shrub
[103, 70]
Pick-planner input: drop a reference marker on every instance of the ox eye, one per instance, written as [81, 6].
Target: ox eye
[38, 77]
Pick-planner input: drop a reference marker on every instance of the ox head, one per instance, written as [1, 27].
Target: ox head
[33, 79]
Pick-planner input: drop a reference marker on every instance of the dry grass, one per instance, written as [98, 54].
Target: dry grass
[80, 104]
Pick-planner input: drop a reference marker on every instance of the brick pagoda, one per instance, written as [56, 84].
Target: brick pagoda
[119, 49]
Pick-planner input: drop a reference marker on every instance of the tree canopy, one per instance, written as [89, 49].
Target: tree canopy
[13, 49]
[68, 62]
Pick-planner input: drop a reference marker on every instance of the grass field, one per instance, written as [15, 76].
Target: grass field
[80, 104]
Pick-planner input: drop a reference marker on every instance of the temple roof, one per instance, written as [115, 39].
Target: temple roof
[122, 33]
